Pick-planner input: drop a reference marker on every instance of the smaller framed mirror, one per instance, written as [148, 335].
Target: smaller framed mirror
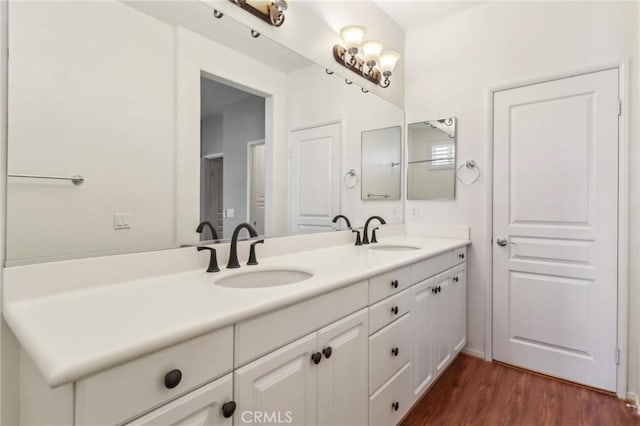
[381, 164]
[431, 160]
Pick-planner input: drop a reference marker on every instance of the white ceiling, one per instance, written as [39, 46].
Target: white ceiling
[215, 97]
[413, 13]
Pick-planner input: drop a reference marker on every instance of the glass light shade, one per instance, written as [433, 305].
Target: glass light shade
[353, 35]
[280, 5]
[388, 61]
[371, 50]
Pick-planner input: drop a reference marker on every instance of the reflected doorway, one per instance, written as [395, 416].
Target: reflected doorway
[232, 169]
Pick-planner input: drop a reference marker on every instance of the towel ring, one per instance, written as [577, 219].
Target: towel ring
[354, 179]
[469, 165]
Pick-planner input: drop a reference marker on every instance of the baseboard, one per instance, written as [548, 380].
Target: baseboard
[473, 352]
[632, 398]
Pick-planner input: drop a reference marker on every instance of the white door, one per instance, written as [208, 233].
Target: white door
[279, 387]
[458, 309]
[202, 407]
[314, 178]
[256, 186]
[442, 323]
[343, 376]
[423, 314]
[555, 227]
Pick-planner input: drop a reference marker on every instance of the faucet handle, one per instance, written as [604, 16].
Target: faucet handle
[358, 240]
[213, 259]
[373, 236]
[252, 253]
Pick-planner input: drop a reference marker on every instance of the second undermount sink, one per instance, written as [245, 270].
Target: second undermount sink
[392, 247]
[264, 278]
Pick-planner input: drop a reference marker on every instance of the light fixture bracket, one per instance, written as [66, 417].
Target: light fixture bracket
[273, 16]
[356, 65]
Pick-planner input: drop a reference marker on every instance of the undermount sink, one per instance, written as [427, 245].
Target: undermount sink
[264, 278]
[392, 247]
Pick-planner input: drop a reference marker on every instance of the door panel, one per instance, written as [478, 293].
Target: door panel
[315, 188]
[443, 324]
[423, 314]
[343, 377]
[281, 385]
[257, 187]
[555, 207]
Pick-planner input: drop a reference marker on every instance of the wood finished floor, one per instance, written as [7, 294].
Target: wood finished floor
[476, 392]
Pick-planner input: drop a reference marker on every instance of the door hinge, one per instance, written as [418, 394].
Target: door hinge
[617, 356]
[619, 107]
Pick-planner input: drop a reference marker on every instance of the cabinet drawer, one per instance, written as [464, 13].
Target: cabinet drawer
[123, 392]
[387, 310]
[427, 268]
[391, 402]
[261, 335]
[459, 255]
[385, 285]
[389, 350]
[203, 406]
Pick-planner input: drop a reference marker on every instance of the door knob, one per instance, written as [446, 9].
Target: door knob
[501, 242]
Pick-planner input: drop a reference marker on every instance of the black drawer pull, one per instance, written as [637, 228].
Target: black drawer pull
[394, 310]
[395, 406]
[316, 358]
[394, 283]
[395, 351]
[461, 255]
[172, 378]
[456, 279]
[228, 408]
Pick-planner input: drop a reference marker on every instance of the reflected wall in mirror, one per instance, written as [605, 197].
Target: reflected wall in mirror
[431, 165]
[175, 118]
[381, 163]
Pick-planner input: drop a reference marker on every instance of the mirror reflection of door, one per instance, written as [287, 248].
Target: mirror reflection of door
[233, 193]
[213, 190]
[256, 152]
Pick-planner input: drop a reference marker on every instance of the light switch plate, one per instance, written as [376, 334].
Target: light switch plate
[122, 221]
[231, 213]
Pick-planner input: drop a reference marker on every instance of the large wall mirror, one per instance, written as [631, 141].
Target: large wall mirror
[431, 165]
[172, 117]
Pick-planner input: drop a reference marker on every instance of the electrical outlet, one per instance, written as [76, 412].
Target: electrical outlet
[414, 213]
[231, 213]
[121, 221]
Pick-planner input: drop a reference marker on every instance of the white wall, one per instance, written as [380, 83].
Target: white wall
[326, 99]
[311, 28]
[212, 139]
[495, 44]
[104, 102]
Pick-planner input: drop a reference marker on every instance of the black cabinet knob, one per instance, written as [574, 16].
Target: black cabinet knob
[172, 378]
[439, 289]
[316, 358]
[461, 255]
[395, 351]
[394, 310]
[456, 279]
[394, 283]
[327, 352]
[434, 290]
[228, 408]
[395, 406]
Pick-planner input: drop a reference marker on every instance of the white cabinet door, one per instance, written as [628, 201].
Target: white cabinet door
[343, 372]
[279, 387]
[202, 407]
[423, 314]
[442, 324]
[458, 311]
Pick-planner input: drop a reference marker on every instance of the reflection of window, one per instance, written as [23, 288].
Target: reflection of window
[442, 155]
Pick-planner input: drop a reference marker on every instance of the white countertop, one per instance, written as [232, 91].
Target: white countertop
[73, 335]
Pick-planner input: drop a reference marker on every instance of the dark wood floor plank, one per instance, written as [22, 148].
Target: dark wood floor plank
[478, 393]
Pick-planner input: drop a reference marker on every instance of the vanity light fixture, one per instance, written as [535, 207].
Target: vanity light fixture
[270, 11]
[373, 63]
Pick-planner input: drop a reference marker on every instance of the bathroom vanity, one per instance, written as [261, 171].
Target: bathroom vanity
[357, 342]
